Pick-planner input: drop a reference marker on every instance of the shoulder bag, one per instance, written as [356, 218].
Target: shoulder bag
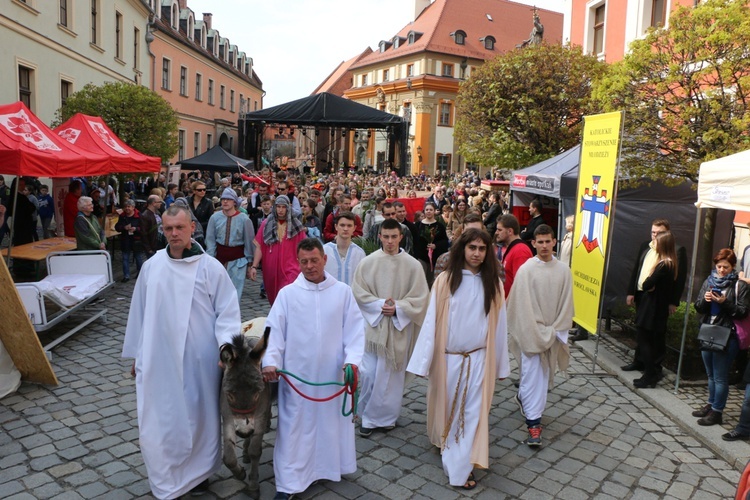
[742, 326]
[713, 337]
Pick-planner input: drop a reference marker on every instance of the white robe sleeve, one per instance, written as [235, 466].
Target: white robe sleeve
[502, 360]
[373, 311]
[400, 319]
[421, 358]
[132, 343]
[276, 320]
[354, 332]
[226, 305]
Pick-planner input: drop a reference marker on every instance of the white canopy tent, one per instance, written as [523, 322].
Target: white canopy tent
[722, 183]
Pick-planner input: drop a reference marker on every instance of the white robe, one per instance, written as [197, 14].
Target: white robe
[315, 330]
[467, 329]
[343, 270]
[181, 312]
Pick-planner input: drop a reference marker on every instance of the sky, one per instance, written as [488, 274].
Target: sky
[296, 44]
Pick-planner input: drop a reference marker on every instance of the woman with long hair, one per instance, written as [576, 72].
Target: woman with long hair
[465, 326]
[653, 311]
[720, 300]
[431, 240]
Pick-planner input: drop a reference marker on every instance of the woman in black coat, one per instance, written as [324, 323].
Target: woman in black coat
[431, 240]
[721, 299]
[653, 311]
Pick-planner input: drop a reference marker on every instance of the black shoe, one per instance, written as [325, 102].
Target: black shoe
[201, 489]
[713, 418]
[733, 435]
[702, 412]
[580, 335]
[125, 280]
[262, 295]
[643, 382]
[365, 431]
[631, 367]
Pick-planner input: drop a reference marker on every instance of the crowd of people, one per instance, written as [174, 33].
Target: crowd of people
[445, 288]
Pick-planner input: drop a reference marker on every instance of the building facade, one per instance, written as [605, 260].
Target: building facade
[53, 48]
[606, 28]
[417, 72]
[206, 78]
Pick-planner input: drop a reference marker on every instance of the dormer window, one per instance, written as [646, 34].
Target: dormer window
[397, 41]
[413, 36]
[384, 45]
[203, 36]
[191, 26]
[175, 21]
[489, 42]
[459, 36]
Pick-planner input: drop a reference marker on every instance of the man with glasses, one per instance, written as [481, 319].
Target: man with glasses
[647, 258]
[282, 189]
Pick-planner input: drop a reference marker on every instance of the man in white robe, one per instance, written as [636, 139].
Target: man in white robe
[392, 294]
[183, 308]
[343, 256]
[463, 349]
[540, 313]
[316, 330]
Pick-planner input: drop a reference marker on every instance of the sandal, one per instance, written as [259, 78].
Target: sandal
[471, 483]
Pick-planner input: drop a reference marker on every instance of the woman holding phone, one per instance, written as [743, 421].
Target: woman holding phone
[720, 300]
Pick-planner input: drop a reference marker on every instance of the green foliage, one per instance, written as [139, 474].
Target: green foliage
[674, 328]
[526, 105]
[685, 91]
[139, 116]
[368, 245]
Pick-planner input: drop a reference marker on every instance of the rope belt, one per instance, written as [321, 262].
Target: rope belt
[349, 387]
[461, 416]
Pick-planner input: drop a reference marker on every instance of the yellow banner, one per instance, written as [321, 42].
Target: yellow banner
[596, 183]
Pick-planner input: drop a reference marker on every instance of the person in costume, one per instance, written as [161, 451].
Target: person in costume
[463, 349]
[316, 330]
[392, 294]
[343, 255]
[230, 237]
[184, 307]
[276, 247]
[540, 314]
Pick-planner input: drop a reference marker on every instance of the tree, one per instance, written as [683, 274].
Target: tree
[525, 105]
[685, 91]
[139, 116]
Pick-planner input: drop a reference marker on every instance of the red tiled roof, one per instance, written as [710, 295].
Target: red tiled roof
[340, 79]
[510, 25]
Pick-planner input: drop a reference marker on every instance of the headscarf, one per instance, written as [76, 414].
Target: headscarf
[293, 225]
[229, 194]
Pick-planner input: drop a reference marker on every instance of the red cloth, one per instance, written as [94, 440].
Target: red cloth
[512, 261]
[329, 231]
[411, 204]
[70, 212]
[279, 262]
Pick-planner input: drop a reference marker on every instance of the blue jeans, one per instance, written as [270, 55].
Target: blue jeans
[139, 258]
[744, 426]
[717, 368]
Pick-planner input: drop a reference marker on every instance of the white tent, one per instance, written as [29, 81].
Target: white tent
[722, 183]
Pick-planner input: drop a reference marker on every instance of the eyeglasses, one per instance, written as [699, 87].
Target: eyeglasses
[281, 189]
[200, 189]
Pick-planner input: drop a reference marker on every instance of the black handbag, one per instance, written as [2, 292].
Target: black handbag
[713, 337]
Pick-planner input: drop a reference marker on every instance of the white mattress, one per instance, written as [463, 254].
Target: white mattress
[70, 289]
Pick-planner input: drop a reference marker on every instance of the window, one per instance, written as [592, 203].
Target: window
[411, 38]
[181, 142]
[443, 162]
[364, 80]
[24, 85]
[658, 13]
[447, 69]
[183, 81]
[459, 37]
[166, 68]
[409, 70]
[175, 17]
[386, 75]
[209, 141]
[446, 114]
[255, 105]
[598, 45]
[118, 35]
[136, 48]
[489, 42]
[64, 13]
[198, 87]
[66, 88]
[95, 22]
[242, 103]
[222, 97]
[231, 101]
[196, 143]
[407, 112]
[210, 92]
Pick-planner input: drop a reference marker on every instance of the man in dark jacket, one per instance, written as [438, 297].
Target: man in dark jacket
[643, 265]
[129, 227]
[150, 222]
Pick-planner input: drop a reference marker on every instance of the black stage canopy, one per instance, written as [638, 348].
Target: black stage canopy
[216, 159]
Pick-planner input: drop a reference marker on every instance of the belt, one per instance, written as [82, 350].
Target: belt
[465, 355]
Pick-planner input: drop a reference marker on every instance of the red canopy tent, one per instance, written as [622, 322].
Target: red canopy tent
[29, 148]
[91, 134]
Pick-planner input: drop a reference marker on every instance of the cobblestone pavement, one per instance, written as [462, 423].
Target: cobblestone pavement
[601, 439]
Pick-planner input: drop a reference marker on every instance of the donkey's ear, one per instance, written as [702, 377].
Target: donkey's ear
[227, 354]
[260, 346]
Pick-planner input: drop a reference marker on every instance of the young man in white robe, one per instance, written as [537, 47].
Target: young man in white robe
[540, 313]
[184, 307]
[392, 294]
[343, 256]
[463, 349]
[316, 330]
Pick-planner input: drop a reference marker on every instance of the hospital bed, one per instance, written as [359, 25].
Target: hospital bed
[74, 281]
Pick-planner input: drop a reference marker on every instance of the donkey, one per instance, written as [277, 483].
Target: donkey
[245, 402]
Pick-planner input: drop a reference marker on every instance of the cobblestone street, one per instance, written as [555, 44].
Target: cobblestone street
[601, 438]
